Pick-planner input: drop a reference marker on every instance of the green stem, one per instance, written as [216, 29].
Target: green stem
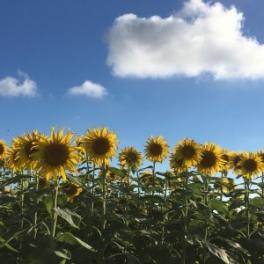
[55, 215]
[22, 200]
[153, 181]
[186, 213]
[205, 178]
[262, 185]
[104, 197]
[247, 206]
[93, 196]
[36, 213]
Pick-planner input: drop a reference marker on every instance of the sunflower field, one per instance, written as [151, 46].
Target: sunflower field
[64, 201]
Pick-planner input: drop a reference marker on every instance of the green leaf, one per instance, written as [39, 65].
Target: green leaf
[69, 238]
[67, 215]
[219, 253]
[61, 254]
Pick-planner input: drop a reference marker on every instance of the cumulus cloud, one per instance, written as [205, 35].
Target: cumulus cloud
[200, 38]
[89, 89]
[22, 86]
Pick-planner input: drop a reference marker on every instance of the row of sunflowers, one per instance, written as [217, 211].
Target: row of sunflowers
[63, 201]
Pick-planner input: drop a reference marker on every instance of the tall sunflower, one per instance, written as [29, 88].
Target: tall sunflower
[187, 151]
[3, 149]
[211, 161]
[177, 164]
[156, 149]
[25, 147]
[12, 161]
[100, 144]
[56, 154]
[250, 165]
[226, 159]
[235, 158]
[130, 158]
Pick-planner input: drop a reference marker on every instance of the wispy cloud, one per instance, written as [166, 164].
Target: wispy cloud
[21, 86]
[200, 38]
[89, 89]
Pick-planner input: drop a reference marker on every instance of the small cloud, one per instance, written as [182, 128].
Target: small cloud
[21, 86]
[203, 37]
[89, 89]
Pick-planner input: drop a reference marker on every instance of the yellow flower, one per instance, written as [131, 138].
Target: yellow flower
[3, 149]
[177, 164]
[130, 158]
[250, 165]
[56, 154]
[100, 145]
[72, 190]
[188, 151]
[156, 149]
[235, 158]
[12, 161]
[211, 161]
[25, 147]
[226, 159]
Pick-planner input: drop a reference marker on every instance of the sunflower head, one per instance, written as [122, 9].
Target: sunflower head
[211, 161]
[56, 154]
[130, 158]
[226, 160]
[235, 158]
[227, 185]
[100, 145]
[188, 151]
[177, 164]
[26, 147]
[250, 165]
[3, 150]
[12, 161]
[72, 190]
[156, 149]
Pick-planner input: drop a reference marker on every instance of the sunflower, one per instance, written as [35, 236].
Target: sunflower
[100, 145]
[235, 158]
[25, 147]
[156, 149]
[188, 151]
[12, 161]
[72, 190]
[56, 154]
[226, 159]
[3, 149]
[177, 164]
[227, 185]
[261, 155]
[211, 161]
[250, 165]
[130, 158]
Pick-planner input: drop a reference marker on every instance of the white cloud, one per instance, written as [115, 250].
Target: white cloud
[23, 86]
[200, 38]
[89, 89]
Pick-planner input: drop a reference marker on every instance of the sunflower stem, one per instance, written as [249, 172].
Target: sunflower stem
[247, 206]
[104, 197]
[186, 212]
[36, 213]
[153, 182]
[262, 185]
[93, 196]
[55, 215]
[205, 180]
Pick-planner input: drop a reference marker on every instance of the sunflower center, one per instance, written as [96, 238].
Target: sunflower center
[2, 149]
[188, 152]
[56, 154]
[225, 157]
[208, 159]
[101, 146]
[155, 149]
[29, 150]
[250, 165]
[71, 190]
[132, 157]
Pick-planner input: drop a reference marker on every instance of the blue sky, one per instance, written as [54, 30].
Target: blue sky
[60, 44]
